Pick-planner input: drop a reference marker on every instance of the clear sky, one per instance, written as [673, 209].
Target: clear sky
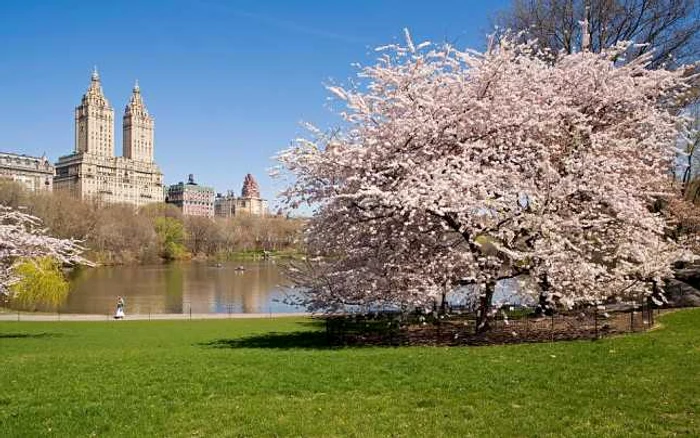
[228, 82]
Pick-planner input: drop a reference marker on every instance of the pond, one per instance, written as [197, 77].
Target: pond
[231, 287]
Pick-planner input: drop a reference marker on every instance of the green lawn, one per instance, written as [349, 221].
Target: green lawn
[233, 378]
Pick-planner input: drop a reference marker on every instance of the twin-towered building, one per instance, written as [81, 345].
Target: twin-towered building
[93, 170]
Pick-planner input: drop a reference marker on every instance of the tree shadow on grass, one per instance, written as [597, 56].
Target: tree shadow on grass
[284, 341]
[317, 324]
[315, 337]
[28, 335]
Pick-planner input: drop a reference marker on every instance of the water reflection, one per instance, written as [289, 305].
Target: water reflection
[180, 288]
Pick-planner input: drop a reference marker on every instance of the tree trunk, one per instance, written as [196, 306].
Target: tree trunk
[482, 313]
[544, 307]
[443, 302]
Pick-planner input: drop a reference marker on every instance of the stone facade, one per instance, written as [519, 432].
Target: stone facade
[191, 198]
[249, 202]
[93, 171]
[225, 205]
[35, 173]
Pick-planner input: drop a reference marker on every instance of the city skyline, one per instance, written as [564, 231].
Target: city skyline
[228, 86]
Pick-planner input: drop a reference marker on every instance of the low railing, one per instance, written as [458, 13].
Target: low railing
[459, 326]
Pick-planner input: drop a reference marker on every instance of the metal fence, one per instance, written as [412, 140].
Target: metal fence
[506, 326]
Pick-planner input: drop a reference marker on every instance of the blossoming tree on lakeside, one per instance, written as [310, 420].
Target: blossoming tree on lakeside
[458, 166]
[22, 239]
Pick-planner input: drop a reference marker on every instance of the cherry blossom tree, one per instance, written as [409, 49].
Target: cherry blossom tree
[465, 167]
[22, 238]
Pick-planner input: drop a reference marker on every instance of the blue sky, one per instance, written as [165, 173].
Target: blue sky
[228, 82]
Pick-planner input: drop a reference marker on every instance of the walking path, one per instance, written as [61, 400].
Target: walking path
[152, 317]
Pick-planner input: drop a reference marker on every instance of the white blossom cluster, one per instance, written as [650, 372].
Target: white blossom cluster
[22, 236]
[459, 166]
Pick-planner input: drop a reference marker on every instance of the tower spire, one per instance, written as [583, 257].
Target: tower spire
[137, 128]
[95, 88]
[250, 187]
[136, 104]
[94, 120]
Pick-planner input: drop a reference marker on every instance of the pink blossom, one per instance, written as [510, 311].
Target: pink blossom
[457, 166]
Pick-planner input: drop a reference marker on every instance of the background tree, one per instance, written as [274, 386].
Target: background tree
[156, 210]
[202, 235]
[669, 27]
[40, 285]
[118, 234]
[690, 161]
[171, 235]
[464, 167]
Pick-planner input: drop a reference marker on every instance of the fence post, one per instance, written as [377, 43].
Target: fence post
[190, 312]
[632, 320]
[645, 316]
[527, 325]
[17, 315]
[595, 320]
[551, 329]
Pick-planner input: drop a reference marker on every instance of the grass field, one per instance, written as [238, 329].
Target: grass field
[238, 378]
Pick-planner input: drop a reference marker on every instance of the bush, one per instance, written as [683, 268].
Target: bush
[42, 284]
[171, 234]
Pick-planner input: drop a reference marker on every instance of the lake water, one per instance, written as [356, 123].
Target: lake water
[180, 288]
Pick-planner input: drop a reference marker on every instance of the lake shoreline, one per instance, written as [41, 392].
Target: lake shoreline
[58, 317]
[101, 260]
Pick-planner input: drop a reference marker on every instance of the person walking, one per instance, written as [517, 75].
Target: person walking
[120, 308]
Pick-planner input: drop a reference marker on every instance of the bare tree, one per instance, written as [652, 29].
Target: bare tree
[690, 165]
[669, 27]
[202, 234]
